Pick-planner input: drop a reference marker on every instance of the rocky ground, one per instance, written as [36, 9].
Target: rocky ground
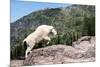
[82, 50]
[16, 63]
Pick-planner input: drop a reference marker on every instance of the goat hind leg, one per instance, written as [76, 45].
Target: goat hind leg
[29, 48]
[27, 51]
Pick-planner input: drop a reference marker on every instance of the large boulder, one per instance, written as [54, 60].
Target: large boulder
[60, 54]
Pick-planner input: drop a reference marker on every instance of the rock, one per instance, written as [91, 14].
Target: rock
[89, 39]
[60, 54]
[85, 44]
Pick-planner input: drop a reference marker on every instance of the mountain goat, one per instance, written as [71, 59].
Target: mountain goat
[41, 33]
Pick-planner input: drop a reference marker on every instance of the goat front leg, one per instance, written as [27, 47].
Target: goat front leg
[47, 38]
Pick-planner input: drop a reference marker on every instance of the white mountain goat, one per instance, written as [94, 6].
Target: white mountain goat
[41, 33]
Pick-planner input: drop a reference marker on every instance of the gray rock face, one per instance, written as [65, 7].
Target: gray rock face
[61, 54]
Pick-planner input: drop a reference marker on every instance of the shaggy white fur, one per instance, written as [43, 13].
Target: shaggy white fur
[39, 34]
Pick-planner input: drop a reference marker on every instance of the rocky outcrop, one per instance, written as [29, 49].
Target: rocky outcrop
[61, 54]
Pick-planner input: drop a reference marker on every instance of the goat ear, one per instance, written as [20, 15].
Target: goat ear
[51, 27]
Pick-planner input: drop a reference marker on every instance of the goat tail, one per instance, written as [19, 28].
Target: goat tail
[24, 45]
